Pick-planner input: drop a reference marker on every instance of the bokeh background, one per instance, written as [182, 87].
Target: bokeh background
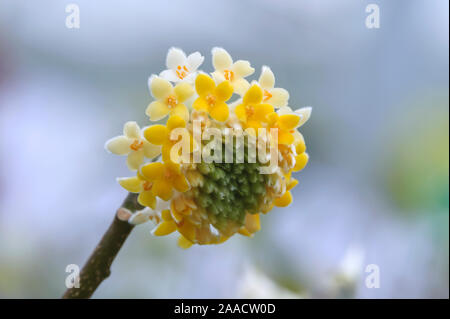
[376, 190]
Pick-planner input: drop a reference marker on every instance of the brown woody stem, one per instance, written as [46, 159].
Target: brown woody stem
[97, 267]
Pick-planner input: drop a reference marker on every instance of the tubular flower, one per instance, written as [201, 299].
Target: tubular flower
[278, 97]
[132, 144]
[226, 70]
[169, 99]
[229, 177]
[212, 98]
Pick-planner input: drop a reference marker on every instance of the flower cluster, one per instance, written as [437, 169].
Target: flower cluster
[208, 201]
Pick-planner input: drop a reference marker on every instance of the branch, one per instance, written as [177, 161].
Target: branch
[97, 267]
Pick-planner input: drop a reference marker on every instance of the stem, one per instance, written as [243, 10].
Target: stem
[97, 267]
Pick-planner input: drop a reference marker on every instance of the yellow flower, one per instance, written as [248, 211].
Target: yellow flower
[285, 126]
[138, 184]
[277, 97]
[165, 177]
[285, 199]
[212, 98]
[169, 99]
[162, 135]
[252, 112]
[226, 70]
[132, 144]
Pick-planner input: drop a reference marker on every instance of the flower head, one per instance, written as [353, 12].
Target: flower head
[239, 175]
[132, 143]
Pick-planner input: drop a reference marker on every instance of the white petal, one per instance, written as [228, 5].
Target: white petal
[135, 159]
[175, 57]
[169, 75]
[218, 77]
[131, 130]
[140, 217]
[221, 59]
[150, 150]
[242, 68]
[194, 60]
[279, 97]
[119, 145]
[284, 110]
[267, 78]
[305, 113]
[240, 86]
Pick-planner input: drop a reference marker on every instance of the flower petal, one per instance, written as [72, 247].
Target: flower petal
[181, 184]
[284, 200]
[157, 110]
[200, 104]
[194, 60]
[156, 134]
[219, 111]
[221, 59]
[240, 86]
[180, 110]
[159, 87]
[135, 159]
[183, 91]
[151, 150]
[262, 111]
[279, 97]
[169, 75]
[119, 145]
[240, 112]
[289, 121]
[163, 189]
[131, 184]
[254, 95]
[153, 171]
[175, 57]
[305, 113]
[299, 142]
[175, 121]
[267, 78]
[300, 162]
[224, 91]
[284, 137]
[242, 68]
[252, 223]
[165, 228]
[131, 130]
[183, 242]
[146, 198]
[204, 84]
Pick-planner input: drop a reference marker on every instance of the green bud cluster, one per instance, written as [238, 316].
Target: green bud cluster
[230, 190]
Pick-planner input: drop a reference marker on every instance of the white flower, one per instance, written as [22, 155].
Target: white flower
[181, 68]
[277, 97]
[235, 72]
[133, 144]
[144, 216]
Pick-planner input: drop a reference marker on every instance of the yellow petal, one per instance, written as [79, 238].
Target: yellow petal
[160, 87]
[291, 184]
[184, 243]
[135, 159]
[224, 91]
[146, 198]
[153, 171]
[165, 228]
[252, 223]
[240, 112]
[163, 189]
[204, 85]
[254, 95]
[200, 104]
[289, 121]
[183, 91]
[157, 110]
[300, 162]
[182, 111]
[284, 200]
[262, 111]
[175, 121]
[151, 150]
[156, 134]
[299, 142]
[220, 111]
[131, 184]
[284, 137]
[166, 215]
[181, 184]
[119, 145]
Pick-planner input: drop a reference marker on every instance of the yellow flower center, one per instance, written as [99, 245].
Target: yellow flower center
[172, 101]
[182, 71]
[137, 145]
[147, 185]
[169, 175]
[249, 110]
[229, 75]
[267, 95]
[210, 99]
